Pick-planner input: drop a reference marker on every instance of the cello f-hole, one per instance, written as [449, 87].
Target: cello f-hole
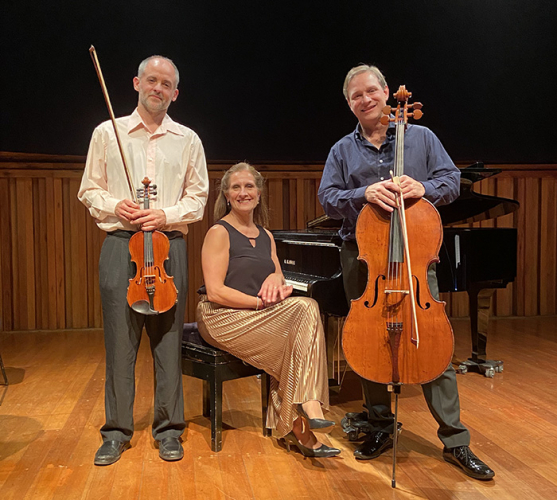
[427, 304]
[366, 303]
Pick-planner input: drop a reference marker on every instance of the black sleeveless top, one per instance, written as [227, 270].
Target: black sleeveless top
[248, 266]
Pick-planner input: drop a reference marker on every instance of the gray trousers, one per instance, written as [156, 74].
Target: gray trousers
[122, 333]
[441, 395]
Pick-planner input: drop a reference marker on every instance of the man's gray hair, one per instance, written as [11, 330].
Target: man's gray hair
[143, 65]
[363, 68]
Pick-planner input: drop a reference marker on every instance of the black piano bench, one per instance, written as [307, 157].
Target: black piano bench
[213, 366]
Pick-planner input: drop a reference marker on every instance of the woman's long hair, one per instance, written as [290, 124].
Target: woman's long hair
[261, 211]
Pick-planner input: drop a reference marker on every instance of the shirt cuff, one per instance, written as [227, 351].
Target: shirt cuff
[360, 195]
[172, 215]
[429, 189]
[110, 205]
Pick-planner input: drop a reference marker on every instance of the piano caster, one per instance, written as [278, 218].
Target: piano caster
[354, 424]
[488, 367]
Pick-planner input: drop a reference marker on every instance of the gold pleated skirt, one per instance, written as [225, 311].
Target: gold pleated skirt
[286, 340]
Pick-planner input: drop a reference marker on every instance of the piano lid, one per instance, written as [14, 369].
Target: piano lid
[324, 222]
[474, 207]
[468, 207]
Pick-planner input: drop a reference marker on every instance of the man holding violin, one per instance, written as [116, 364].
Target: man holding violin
[357, 172]
[172, 157]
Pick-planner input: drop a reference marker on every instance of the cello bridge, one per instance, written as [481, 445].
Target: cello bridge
[394, 326]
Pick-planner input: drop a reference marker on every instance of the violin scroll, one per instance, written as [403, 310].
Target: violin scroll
[146, 192]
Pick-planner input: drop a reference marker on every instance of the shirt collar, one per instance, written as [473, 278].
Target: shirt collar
[391, 131]
[167, 125]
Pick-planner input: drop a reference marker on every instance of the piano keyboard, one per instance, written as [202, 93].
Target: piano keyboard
[297, 285]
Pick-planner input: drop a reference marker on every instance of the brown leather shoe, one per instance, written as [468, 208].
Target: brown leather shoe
[110, 452]
[471, 465]
[170, 449]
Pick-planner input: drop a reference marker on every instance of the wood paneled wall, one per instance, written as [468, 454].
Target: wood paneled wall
[50, 246]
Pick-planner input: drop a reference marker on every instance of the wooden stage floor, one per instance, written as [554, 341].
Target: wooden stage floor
[52, 410]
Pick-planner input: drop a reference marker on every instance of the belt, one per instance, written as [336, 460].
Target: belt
[120, 233]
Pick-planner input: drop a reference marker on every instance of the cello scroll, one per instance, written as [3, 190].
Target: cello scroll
[401, 111]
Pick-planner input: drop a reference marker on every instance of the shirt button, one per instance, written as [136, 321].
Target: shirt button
[380, 161]
[382, 178]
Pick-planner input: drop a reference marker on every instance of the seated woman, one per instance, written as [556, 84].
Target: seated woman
[247, 311]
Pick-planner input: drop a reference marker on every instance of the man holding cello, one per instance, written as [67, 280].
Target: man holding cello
[358, 171]
[172, 157]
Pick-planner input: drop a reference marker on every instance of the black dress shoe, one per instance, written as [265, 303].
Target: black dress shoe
[375, 443]
[317, 424]
[170, 449]
[472, 466]
[110, 452]
[323, 451]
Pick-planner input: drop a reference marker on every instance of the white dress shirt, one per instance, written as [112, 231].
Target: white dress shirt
[172, 158]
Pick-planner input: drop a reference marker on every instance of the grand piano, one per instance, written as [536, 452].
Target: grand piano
[475, 260]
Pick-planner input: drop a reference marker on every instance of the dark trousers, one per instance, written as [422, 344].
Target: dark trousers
[441, 395]
[122, 333]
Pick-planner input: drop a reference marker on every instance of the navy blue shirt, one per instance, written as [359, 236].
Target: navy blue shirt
[354, 163]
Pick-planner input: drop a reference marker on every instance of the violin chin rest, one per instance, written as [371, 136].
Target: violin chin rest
[143, 307]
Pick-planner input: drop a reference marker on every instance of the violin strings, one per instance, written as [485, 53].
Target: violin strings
[149, 237]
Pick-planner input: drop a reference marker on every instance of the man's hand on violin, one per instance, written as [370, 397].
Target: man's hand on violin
[126, 209]
[273, 290]
[150, 219]
[384, 193]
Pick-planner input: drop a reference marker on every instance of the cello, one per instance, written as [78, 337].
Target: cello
[397, 333]
[151, 291]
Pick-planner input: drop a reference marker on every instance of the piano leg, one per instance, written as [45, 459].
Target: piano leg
[480, 309]
[332, 326]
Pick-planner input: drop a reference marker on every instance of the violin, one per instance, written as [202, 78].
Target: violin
[396, 332]
[151, 291]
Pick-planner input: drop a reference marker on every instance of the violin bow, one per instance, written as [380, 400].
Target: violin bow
[95, 59]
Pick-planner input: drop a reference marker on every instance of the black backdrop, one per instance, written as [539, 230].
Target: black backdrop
[262, 81]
